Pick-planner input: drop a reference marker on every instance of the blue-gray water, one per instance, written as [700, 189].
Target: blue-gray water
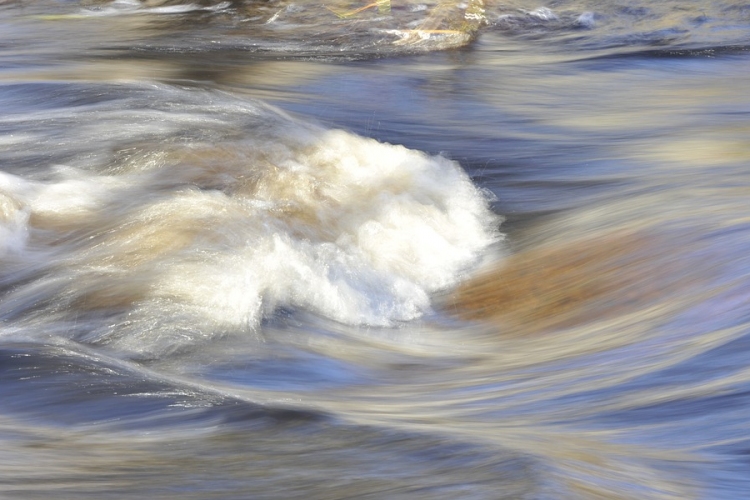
[270, 250]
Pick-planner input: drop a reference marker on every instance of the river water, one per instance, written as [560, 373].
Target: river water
[270, 250]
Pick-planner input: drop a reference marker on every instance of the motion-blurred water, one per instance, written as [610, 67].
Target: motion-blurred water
[264, 249]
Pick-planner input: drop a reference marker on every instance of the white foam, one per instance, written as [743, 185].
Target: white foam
[13, 216]
[355, 230]
[215, 237]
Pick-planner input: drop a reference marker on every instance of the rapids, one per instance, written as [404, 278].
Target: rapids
[399, 249]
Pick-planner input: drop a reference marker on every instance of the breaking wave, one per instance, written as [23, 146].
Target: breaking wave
[168, 232]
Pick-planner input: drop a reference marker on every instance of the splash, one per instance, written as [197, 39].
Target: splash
[180, 240]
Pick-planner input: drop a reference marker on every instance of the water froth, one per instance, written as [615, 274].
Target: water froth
[168, 243]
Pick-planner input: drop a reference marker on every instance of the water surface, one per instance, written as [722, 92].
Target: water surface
[284, 250]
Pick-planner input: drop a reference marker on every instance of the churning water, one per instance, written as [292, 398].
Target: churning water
[399, 249]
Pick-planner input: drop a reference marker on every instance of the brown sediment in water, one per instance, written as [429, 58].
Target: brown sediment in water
[565, 284]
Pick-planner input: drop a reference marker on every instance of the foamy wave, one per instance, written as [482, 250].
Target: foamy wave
[192, 238]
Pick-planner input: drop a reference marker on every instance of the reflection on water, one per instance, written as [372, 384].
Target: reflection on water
[206, 295]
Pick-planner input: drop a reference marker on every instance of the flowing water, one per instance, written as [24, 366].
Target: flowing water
[435, 250]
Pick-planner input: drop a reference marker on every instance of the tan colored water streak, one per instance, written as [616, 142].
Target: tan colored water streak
[560, 285]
